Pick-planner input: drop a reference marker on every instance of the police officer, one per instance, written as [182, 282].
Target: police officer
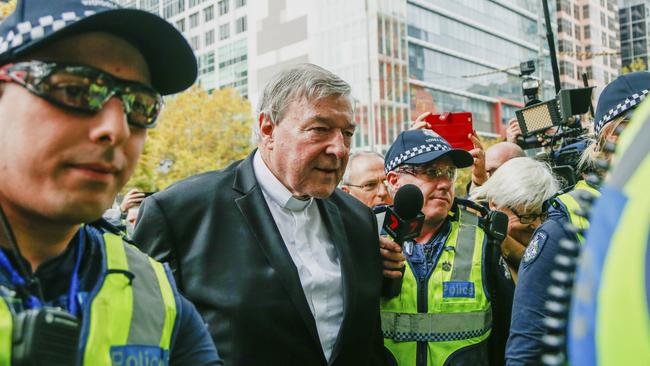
[80, 84]
[609, 316]
[525, 345]
[443, 313]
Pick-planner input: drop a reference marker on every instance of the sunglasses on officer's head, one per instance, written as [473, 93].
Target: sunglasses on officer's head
[85, 89]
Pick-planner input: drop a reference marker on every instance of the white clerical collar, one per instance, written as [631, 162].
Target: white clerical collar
[274, 189]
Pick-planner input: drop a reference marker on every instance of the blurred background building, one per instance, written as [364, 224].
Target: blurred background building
[634, 16]
[402, 57]
[587, 42]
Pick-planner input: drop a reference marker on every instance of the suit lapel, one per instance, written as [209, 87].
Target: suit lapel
[336, 229]
[260, 221]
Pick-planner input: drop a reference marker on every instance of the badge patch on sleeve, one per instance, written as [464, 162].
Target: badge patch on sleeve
[458, 289]
[534, 248]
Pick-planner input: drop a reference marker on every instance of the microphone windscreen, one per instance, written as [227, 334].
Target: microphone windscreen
[408, 201]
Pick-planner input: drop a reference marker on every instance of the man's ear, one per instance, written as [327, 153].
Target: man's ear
[492, 205]
[345, 189]
[393, 181]
[266, 127]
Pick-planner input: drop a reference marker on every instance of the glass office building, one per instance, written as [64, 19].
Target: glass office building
[464, 55]
[634, 17]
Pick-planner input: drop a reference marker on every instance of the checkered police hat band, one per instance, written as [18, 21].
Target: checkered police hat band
[413, 152]
[27, 31]
[629, 102]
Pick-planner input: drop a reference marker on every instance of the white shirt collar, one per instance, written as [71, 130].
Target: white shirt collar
[274, 189]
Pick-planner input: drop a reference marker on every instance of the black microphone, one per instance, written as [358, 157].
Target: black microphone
[403, 221]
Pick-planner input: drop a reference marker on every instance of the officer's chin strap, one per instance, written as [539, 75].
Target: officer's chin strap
[561, 287]
[32, 283]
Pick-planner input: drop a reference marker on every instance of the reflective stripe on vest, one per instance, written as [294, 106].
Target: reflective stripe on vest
[451, 322]
[465, 248]
[436, 327]
[141, 313]
[124, 316]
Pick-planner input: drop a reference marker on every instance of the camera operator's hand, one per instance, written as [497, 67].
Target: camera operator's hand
[512, 131]
[419, 123]
[393, 258]
[479, 174]
[133, 198]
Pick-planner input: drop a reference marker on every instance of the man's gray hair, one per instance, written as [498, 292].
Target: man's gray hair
[353, 157]
[304, 80]
[520, 183]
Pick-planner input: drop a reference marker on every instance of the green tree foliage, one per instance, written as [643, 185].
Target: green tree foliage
[196, 132]
[636, 65]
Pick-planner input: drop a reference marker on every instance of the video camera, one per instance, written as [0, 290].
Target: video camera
[553, 123]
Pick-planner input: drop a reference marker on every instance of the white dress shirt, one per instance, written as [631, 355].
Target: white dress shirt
[311, 250]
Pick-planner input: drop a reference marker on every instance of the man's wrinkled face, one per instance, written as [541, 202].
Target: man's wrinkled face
[367, 181]
[63, 165]
[308, 148]
[437, 189]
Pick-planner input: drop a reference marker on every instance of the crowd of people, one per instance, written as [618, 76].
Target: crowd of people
[280, 259]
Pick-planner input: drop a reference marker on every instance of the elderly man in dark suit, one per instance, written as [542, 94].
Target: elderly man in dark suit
[284, 267]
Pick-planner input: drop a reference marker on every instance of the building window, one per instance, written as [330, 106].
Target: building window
[208, 13]
[626, 50]
[613, 63]
[567, 68]
[587, 32]
[576, 11]
[152, 6]
[564, 25]
[240, 25]
[173, 7]
[224, 6]
[590, 74]
[206, 63]
[240, 3]
[194, 42]
[209, 37]
[565, 46]
[603, 20]
[180, 25]
[194, 3]
[578, 33]
[194, 20]
[639, 30]
[224, 31]
[585, 12]
[624, 15]
[638, 12]
[611, 24]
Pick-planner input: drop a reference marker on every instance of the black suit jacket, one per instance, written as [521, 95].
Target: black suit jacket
[229, 259]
